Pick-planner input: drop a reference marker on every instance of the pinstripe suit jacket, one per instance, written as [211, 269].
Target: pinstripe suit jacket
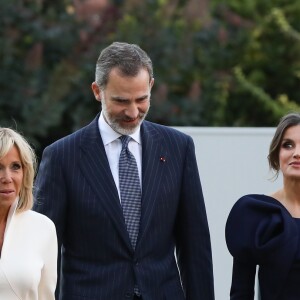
[75, 188]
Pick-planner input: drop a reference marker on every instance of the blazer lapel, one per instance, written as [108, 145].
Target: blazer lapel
[7, 273]
[95, 167]
[10, 288]
[153, 155]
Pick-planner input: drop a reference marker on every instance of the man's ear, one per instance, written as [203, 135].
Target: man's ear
[96, 90]
[151, 83]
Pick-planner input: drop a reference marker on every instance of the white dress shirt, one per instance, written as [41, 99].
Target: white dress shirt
[113, 147]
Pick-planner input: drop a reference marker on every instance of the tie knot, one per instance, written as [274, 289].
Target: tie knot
[125, 140]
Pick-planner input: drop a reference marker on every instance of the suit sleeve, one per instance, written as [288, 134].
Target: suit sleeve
[243, 280]
[50, 195]
[193, 245]
[50, 190]
[239, 239]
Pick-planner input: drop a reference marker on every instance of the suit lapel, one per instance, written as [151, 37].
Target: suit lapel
[152, 171]
[95, 167]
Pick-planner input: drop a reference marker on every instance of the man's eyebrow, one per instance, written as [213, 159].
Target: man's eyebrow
[124, 99]
[118, 98]
[142, 97]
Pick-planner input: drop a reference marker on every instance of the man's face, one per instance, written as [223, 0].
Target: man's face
[125, 100]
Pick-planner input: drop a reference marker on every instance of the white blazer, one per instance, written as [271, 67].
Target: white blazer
[28, 264]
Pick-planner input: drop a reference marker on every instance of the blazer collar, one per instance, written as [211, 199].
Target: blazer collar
[9, 225]
[153, 149]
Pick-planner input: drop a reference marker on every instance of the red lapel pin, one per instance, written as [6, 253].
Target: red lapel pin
[162, 159]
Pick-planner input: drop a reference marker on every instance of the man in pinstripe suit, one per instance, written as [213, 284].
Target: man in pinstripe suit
[78, 188]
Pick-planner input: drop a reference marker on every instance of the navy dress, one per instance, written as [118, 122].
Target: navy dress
[260, 231]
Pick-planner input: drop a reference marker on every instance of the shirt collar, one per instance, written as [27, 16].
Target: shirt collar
[109, 135]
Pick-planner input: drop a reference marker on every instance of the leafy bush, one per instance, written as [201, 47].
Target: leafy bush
[236, 64]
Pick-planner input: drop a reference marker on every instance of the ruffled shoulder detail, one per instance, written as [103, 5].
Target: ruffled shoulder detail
[260, 229]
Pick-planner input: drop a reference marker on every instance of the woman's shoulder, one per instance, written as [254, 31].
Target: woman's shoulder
[257, 224]
[258, 206]
[37, 230]
[257, 200]
[36, 220]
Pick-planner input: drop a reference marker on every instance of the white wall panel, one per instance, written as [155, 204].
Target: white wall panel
[232, 162]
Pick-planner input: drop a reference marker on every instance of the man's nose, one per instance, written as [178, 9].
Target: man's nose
[132, 111]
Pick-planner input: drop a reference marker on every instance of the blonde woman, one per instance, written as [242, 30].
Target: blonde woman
[28, 243]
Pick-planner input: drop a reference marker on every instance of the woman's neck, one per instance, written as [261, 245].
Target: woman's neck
[289, 196]
[3, 220]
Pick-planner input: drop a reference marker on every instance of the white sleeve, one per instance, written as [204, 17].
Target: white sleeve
[47, 285]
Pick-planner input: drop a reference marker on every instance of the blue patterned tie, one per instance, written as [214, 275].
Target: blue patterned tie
[130, 190]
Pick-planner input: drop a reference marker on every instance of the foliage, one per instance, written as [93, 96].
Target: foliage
[265, 75]
[186, 55]
[236, 64]
[34, 43]
[45, 69]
